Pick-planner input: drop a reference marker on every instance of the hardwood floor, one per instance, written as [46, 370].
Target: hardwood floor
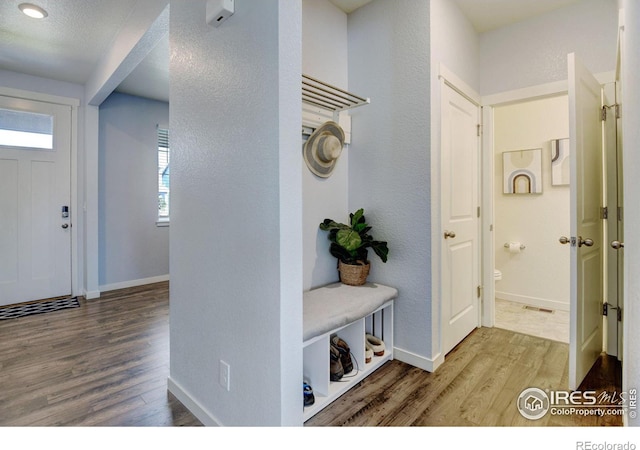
[105, 363]
[478, 385]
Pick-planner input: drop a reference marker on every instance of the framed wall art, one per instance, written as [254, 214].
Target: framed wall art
[560, 170]
[522, 171]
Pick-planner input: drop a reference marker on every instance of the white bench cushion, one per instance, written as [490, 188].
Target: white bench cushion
[336, 305]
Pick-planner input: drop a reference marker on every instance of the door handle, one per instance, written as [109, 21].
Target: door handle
[617, 245]
[449, 234]
[564, 240]
[586, 242]
[65, 226]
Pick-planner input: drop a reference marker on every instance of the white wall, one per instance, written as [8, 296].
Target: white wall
[15, 80]
[131, 246]
[324, 56]
[389, 168]
[535, 220]
[236, 241]
[631, 157]
[534, 52]
[454, 43]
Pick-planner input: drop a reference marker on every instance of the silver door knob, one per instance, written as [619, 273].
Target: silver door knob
[564, 240]
[586, 242]
[65, 226]
[449, 234]
[617, 245]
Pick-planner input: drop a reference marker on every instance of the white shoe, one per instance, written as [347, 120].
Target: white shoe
[376, 344]
[368, 353]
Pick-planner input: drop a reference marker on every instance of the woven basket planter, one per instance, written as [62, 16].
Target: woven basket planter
[352, 274]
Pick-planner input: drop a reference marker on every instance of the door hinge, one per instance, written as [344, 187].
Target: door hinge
[479, 291]
[478, 129]
[604, 212]
[605, 310]
[616, 110]
[478, 212]
[620, 214]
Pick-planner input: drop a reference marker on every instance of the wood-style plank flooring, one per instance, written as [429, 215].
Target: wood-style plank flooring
[477, 385]
[106, 363]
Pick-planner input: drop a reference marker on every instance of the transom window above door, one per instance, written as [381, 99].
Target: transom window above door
[26, 130]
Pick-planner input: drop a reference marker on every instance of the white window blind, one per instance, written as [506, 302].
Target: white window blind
[163, 174]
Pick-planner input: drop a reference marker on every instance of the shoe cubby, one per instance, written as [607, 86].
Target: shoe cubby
[316, 359]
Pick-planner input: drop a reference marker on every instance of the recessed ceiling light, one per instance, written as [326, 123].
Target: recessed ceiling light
[33, 11]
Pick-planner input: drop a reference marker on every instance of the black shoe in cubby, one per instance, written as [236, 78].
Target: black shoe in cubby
[309, 398]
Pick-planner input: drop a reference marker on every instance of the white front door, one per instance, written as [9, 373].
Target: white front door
[459, 207]
[35, 237]
[586, 196]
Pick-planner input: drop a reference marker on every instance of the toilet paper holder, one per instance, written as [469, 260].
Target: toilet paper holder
[522, 247]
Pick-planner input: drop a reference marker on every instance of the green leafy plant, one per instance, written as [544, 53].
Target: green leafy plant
[350, 243]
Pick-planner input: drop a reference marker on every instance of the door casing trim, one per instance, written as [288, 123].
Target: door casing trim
[488, 103]
[450, 79]
[77, 234]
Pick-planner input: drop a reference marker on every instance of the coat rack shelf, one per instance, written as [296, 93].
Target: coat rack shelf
[322, 101]
[323, 95]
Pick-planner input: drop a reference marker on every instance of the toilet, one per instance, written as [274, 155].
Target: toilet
[497, 275]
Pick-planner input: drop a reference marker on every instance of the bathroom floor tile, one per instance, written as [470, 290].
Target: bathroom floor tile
[513, 316]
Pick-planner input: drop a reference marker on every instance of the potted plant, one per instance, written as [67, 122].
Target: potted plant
[350, 244]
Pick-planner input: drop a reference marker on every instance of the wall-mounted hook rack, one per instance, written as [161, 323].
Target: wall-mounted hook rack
[324, 95]
[322, 102]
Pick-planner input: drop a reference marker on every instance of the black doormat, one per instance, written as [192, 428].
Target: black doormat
[28, 309]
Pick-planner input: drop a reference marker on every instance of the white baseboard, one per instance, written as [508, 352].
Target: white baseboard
[421, 362]
[91, 294]
[533, 301]
[192, 405]
[133, 283]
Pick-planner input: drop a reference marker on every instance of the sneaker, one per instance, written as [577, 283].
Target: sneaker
[336, 371]
[376, 344]
[309, 398]
[345, 353]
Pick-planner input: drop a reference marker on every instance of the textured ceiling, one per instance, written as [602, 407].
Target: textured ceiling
[349, 5]
[64, 46]
[68, 43]
[151, 78]
[486, 15]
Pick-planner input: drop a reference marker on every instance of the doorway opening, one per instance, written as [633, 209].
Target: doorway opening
[506, 256]
[531, 268]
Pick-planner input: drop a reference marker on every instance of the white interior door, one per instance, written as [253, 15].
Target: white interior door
[613, 252]
[620, 219]
[459, 207]
[35, 238]
[586, 195]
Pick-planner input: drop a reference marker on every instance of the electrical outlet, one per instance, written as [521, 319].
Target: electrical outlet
[225, 375]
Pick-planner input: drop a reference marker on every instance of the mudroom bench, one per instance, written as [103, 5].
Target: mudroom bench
[351, 312]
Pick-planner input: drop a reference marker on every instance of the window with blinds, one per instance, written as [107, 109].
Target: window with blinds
[163, 174]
